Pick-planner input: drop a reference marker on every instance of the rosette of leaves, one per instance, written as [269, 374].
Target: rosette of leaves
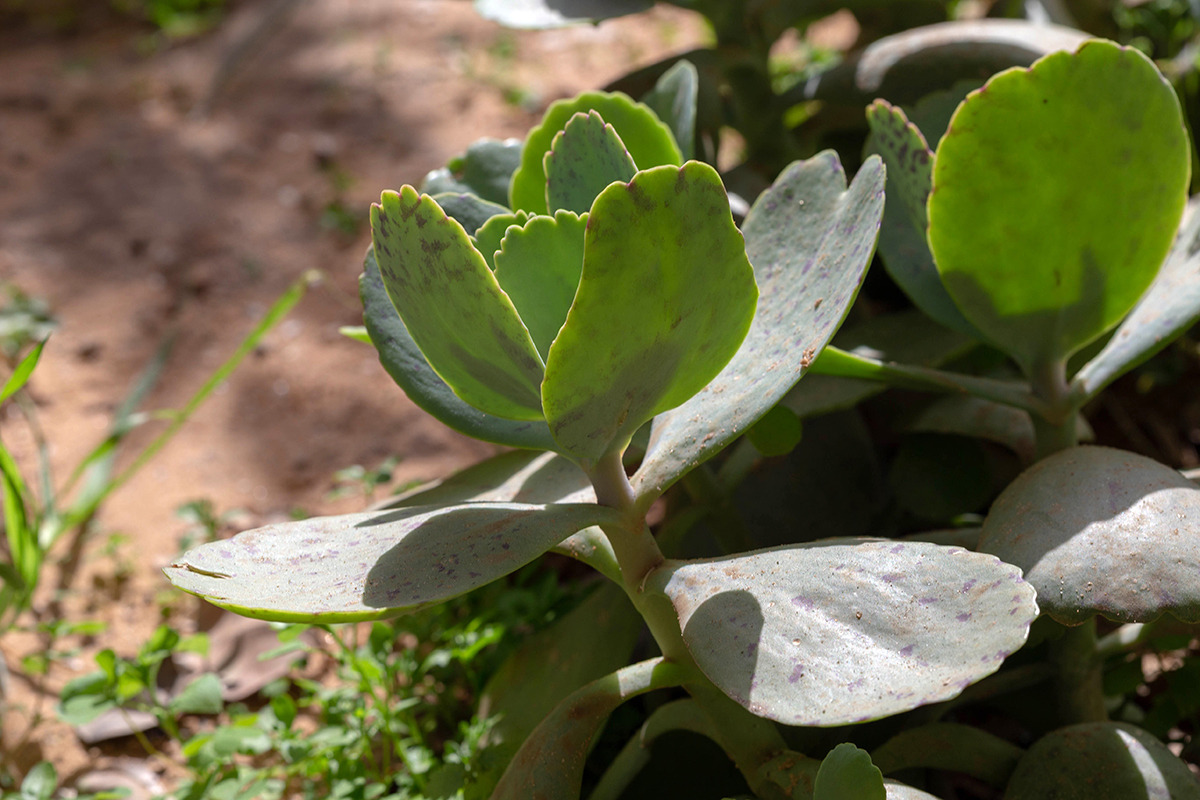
[617, 292]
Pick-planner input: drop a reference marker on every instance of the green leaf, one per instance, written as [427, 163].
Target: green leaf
[488, 238]
[984, 419]
[1101, 531]
[85, 698]
[772, 629]
[647, 139]
[665, 298]
[848, 774]
[550, 762]
[541, 14]
[777, 433]
[594, 639]
[356, 333]
[455, 311]
[468, 210]
[1057, 192]
[902, 242]
[538, 267]
[406, 365]
[673, 100]
[950, 746]
[484, 170]
[676, 715]
[905, 337]
[1169, 307]
[23, 372]
[376, 564]
[810, 240]
[584, 157]
[201, 696]
[40, 782]
[1101, 761]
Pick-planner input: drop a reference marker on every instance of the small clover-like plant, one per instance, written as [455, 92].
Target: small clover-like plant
[618, 292]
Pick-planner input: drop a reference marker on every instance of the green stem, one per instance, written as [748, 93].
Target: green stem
[1078, 679]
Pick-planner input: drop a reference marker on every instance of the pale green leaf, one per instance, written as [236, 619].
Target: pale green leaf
[665, 299]
[449, 300]
[847, 774]
[584, 157]
[487, 239]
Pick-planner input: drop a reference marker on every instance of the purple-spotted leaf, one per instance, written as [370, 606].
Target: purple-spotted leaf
[584, 157]
[375, 564]
[454, 309]
[1101, 761]
[1170, 306]
[665, 299]
[810, 239]
[538, 266]
[1101, 531]
[549, 766]
[1057, 191]
[909, 161]
[406, 365]
[648, 140]
[772, 629]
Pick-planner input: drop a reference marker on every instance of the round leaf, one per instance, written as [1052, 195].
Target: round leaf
[1101, 531]
[538, 266]
[848, 774]
[810, 239]
[843, 631]
[665, 298]
[403, 361]
[585, 156]
[647, 139]
[1056, 193]
[452, 306]
[377, 564]
[1101, 761]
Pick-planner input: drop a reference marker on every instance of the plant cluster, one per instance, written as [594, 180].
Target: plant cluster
[586, 298]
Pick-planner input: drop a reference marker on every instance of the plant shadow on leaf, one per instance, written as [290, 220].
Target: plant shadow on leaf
[1040, 337]
[732, 621]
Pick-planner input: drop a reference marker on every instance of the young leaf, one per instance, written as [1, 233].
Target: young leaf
[647, 139]
[488, 238]
[484, 171]
[1170, 306]
[810, 240]
[848, 774]
[1101, 531]
[403, 361]
[665, 298]
[468, 210]
[376, 564]
[550, 763]
[902, 242]
[455, 311]
[585, 156]
[1101, 761]
[1057, 192]
[673, 99]
[538, 267]
[772, 629]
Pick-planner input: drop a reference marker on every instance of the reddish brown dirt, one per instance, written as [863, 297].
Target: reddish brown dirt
[133, 220]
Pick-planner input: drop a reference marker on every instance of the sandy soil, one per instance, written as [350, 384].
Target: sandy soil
[135, 219]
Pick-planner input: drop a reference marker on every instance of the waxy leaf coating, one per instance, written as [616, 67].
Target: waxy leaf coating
[665, 298]
[844, 631]
[585, 156]
[647, 139]
[484, 170]
[453, 307]
[406, 365]
[468, 210]
[1057, 192]
[376, 564]
[810, 239]
[902, 242]
[538, 266]
[1170, 306]
[1101, 761]
[1101, 531]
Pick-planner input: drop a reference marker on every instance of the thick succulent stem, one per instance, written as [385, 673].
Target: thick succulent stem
[1078, 680]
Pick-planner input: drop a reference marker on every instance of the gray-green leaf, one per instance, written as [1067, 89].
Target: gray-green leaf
[674, 99]
[375, 564]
